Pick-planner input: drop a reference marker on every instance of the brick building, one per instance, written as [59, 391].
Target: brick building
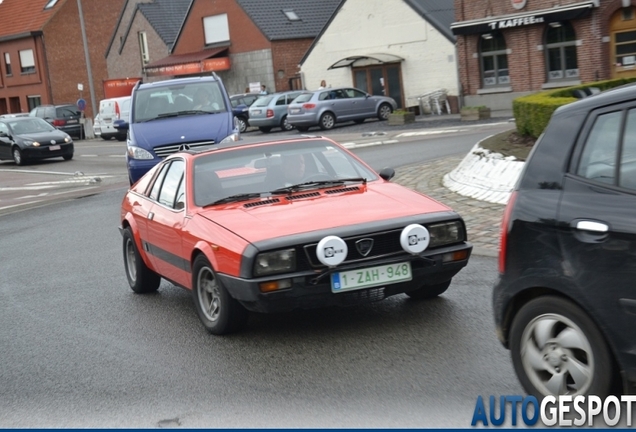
[510, 48]
[243, 41]
[42, 57]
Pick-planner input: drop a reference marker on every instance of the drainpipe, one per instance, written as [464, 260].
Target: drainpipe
[87, 57]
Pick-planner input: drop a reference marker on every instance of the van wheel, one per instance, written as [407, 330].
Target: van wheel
[557, 349]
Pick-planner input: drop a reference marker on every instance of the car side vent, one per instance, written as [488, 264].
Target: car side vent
[301, 196]
[341, 190]
[261, 203]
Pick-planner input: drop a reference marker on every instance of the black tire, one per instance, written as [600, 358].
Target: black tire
[107, 137]
[18, 159]
[68, 157]
[228, 315]
[538, 340]
[121, 138]
[242, 123]
[327, 121]
[284, 124]
[141, 279]
[429, 291]
[265, 129]
[302, 128]
[384, 110]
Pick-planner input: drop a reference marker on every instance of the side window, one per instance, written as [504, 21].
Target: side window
[4, 128]
[281, 100]
[154, 192]
[598, 161]
[171, 183]
[627, 173]
[355, 93]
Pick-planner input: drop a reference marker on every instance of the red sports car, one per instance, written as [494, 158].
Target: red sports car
[284, 224]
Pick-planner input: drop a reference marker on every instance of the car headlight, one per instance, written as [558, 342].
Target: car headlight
[275, 262]
[135, 152]
[445, 233]
[232, 137]
[67, 139]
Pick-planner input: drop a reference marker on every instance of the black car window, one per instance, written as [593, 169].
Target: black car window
[598, 161]
[154, 192]
[66, 112]
[627, 174]
[171, 183]
[48, 113]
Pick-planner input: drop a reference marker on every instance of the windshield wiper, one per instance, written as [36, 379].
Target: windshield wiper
[239, 197]
[177, 114]
[318, 184]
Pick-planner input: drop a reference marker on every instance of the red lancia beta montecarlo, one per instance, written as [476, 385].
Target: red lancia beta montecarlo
[279, 225]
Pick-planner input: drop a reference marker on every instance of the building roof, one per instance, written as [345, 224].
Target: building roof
[22, 17]
[440, 13]
[270, 18]
[166, 17]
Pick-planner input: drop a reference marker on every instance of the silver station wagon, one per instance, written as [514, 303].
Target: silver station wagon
[326, 107]
[270, 111]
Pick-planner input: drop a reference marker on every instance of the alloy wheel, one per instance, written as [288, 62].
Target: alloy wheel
[209, 296]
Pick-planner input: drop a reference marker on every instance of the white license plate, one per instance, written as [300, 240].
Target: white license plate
[54, 147]
[256, 111]
[71, 121]
[294, 110]
[370, 277]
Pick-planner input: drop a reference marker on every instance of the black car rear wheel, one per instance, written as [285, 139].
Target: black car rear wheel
[327, 121]
[218, 311]
[557, 349]
[141, 279]
[429, 291]
[17, 155]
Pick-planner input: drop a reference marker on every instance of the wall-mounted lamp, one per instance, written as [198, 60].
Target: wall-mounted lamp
[555, 24]
[487, 36]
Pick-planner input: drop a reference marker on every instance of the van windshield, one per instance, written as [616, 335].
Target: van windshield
[176, 100]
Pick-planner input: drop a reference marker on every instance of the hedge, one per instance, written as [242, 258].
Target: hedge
[532, 112]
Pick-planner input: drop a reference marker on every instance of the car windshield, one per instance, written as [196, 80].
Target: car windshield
[244, 173]
[180, 99]
[32, 125]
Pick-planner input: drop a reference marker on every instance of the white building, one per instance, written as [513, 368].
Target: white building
[400, 48]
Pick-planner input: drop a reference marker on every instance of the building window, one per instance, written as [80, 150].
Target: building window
[7, 64]
[626, 48]
[291, 15]
[494, 60]
[216, 29]
[143, 48]
[50, 4]
[34, 101]
[27, 62]
[561, 52]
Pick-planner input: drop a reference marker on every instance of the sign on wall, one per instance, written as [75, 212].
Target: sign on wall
[519, 4]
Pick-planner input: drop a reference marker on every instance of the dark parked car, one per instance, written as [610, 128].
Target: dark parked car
[240, 107]
[65, 117]
[565, 303]
[326, 107]
[27, 138]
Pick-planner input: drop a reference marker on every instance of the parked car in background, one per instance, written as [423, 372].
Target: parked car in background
[326, 107]
[111, 110]
[565, 302]
[250, 226]
[65, 117]
[14, 115]
[240, 107]
[270, 111]
[169, 115]
[28, 138]
[97, 126]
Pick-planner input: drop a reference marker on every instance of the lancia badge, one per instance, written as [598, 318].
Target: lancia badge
[364, 246]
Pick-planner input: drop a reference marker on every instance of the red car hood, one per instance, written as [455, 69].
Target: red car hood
[378, 201]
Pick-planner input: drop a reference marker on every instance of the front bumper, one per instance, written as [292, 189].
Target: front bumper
[308, 291]
[44, 152]
[138, 167]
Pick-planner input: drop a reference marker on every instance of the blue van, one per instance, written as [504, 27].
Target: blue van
[166, 115]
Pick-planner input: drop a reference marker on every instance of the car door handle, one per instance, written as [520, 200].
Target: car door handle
[594, 226]
[151, 215]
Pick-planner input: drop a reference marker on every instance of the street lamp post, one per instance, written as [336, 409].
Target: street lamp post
[87, 57]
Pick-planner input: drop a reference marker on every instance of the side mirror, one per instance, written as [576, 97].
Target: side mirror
[120, 124]
[3, 134]
[387, 173]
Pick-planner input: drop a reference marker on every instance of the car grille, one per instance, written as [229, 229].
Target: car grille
[166, 150]
[384, 244]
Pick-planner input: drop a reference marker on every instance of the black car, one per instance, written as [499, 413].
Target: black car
[65, 117]
[565, 302]
[27, 138]
[240, 105]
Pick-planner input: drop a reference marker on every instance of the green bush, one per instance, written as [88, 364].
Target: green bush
[532, 113]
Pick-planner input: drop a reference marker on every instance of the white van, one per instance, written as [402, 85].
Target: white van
[110, 110]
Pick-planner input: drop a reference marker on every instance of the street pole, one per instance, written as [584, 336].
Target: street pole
[87, 57]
